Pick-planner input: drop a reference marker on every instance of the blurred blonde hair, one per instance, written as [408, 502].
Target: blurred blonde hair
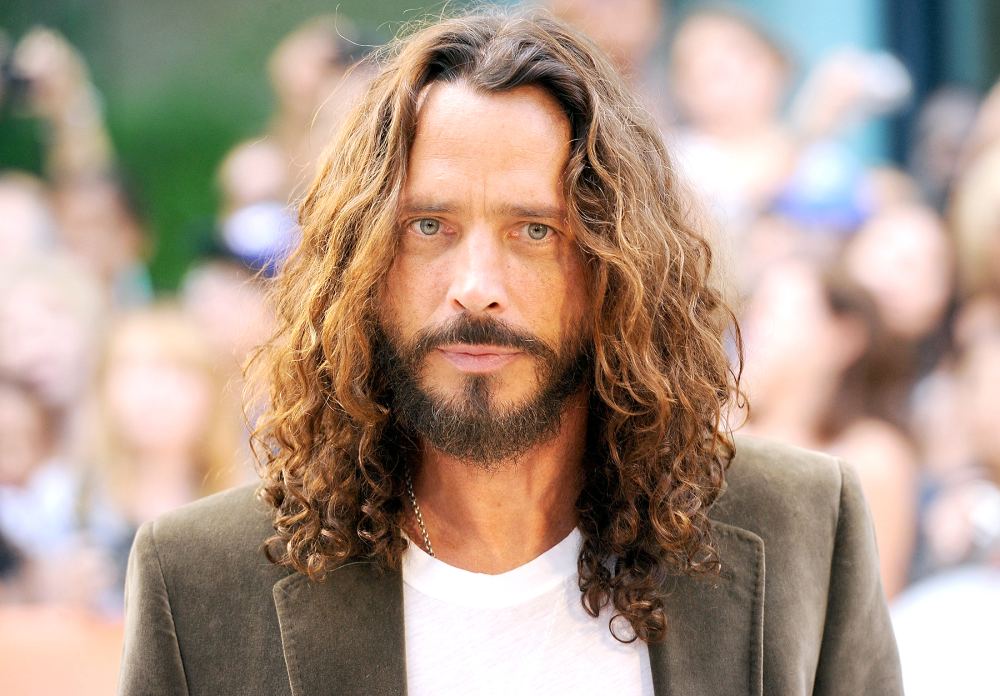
[180, 342]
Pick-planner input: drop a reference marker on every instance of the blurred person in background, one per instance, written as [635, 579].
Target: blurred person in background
[316, 80]
[99, 223]
[731, 80]
[51, 314]
[963, 507]
[814, 347]
[629, 32]
[979, 315]
[97, 219]
[974, 216]
[229, 304]
[770, 239]
[986, 130]
[53, 578]
[946, 624]
[256, 221]
[161, 431]
[316, 77]
[51, 559]
[979, 379]
[26, 434]
[25, 430]
[626, 30]
[56, 87]
[904, 257]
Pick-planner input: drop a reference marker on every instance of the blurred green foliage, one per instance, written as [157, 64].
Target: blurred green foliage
[182, 82]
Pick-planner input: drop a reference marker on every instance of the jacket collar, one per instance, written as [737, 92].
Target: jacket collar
[345, 635]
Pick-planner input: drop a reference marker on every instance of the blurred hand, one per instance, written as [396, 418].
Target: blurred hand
[846, 86]
[57, 75]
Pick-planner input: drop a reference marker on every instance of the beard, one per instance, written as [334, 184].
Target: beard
[473, 425]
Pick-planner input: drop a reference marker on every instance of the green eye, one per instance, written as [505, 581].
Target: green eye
[428, 226]
[538, 231]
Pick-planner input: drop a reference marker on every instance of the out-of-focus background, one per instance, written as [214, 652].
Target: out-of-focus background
[845, 153]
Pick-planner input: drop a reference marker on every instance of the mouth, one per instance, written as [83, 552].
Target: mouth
[478, 358]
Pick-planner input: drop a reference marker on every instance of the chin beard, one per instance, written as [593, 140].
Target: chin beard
[472, 426]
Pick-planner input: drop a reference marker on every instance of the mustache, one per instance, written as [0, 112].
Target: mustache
[476, 330]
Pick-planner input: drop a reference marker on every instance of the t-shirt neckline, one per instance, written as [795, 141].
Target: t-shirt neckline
[437, 579]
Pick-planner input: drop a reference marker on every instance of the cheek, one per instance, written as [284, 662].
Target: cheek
[414, 289]
[554, 296]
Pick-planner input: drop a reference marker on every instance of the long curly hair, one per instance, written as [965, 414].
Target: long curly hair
[333, 457]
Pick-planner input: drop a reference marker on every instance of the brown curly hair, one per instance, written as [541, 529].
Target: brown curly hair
[331, 454]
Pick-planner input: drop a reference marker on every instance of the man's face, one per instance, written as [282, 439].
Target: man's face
[484, 308]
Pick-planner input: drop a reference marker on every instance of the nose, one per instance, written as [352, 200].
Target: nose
[478, 274]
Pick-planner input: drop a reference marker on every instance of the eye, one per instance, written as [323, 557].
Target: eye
[537, 231]
[427, 226]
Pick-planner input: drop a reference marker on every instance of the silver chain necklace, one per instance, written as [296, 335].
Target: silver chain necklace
[416, 511]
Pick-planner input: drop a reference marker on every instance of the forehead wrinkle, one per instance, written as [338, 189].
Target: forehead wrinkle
[433, 172]
[444, 149]
[457, 166]
[446, 123]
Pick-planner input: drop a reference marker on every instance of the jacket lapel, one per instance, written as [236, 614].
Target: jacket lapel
[343, 636]
[715, 625]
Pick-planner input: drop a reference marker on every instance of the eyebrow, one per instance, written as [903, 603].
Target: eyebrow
[507, 209]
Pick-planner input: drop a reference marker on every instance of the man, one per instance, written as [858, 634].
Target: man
[492, 457]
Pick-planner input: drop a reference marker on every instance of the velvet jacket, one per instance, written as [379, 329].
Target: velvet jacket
[797, 609]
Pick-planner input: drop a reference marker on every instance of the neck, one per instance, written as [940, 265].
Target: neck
[491, 520]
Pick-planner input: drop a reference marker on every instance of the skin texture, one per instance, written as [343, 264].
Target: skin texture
[484, 178]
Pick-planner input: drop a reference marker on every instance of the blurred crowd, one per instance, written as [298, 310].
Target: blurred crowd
[869, 298]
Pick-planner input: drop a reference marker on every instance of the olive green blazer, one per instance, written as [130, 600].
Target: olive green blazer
[798, 608]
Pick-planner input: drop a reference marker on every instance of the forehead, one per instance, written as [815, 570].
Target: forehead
[469, 143]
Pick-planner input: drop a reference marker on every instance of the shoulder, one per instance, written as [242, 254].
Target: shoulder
[228, 518]
[222, 533]
[824, 613]
[777, 490]
[199, 601]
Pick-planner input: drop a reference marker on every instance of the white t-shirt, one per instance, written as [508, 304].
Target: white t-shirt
[520, 632]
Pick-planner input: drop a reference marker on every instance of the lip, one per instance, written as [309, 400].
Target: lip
[478, 358]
